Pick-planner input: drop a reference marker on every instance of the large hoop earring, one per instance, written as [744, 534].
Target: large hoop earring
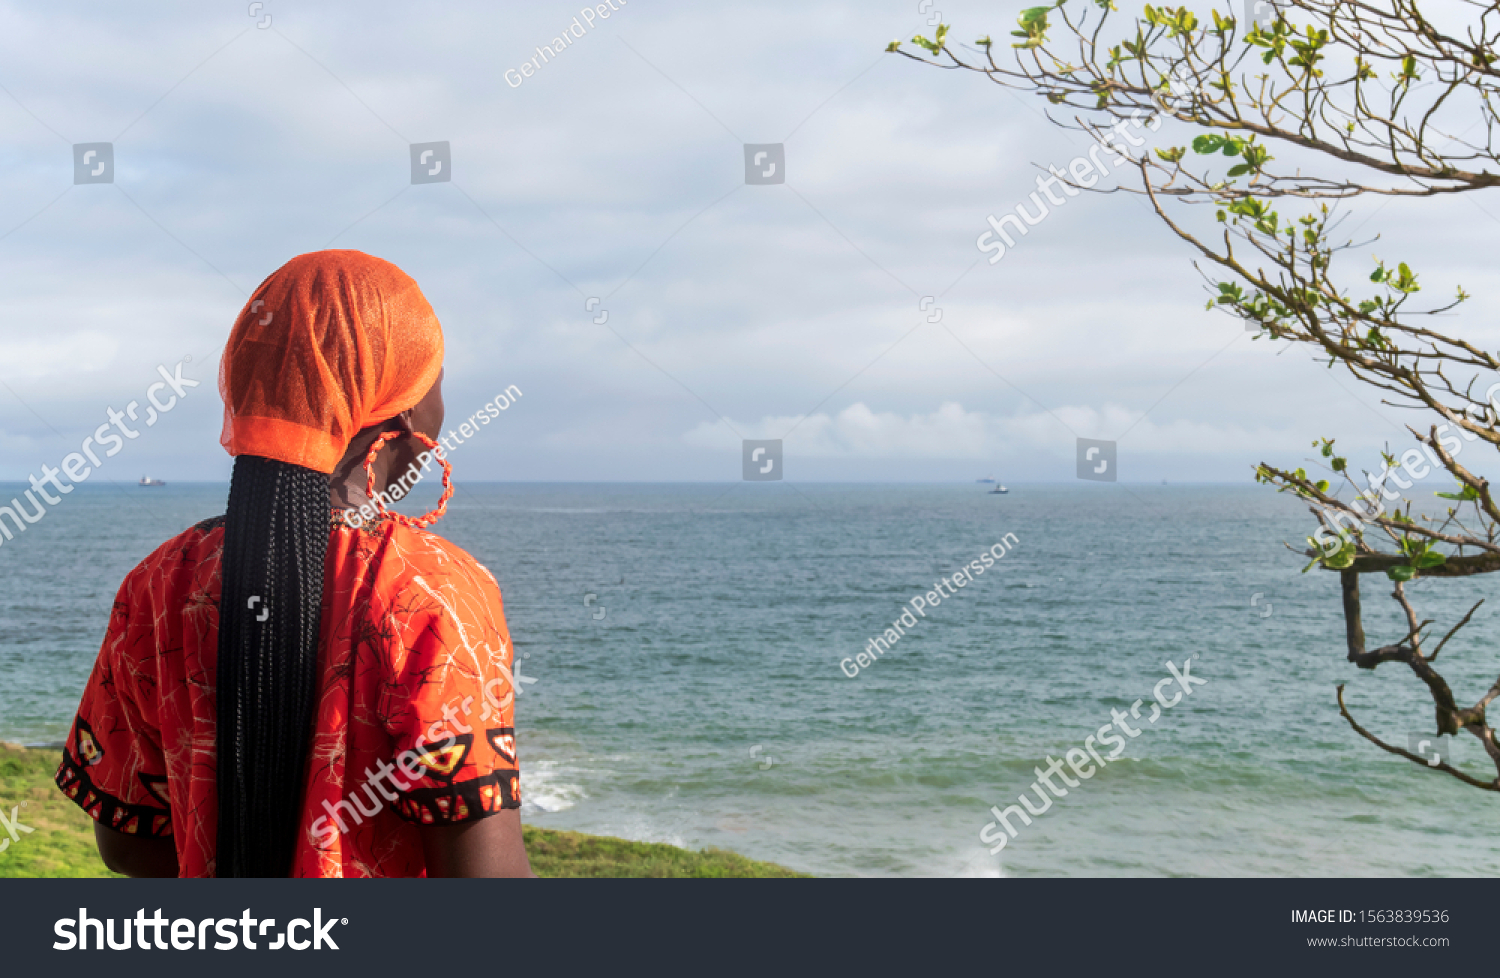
[418, 522]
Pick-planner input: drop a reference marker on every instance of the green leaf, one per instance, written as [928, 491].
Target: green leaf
[1430, 559]
[1401, 572]
[1033, 22]
[1342, 560]
[1464, 495]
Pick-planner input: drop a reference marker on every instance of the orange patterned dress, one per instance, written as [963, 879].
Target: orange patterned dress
[414, 719]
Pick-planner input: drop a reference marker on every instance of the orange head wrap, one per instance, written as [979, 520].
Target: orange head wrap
[331, 342]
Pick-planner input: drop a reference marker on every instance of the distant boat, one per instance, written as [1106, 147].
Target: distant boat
[998, 491]
[146, 480]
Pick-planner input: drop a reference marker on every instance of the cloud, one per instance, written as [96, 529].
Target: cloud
[617, 172]
[952, 432]
[43, 356]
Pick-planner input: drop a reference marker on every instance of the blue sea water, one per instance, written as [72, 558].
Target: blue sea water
[697, 698]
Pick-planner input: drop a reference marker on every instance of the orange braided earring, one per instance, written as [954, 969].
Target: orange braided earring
[418, 522]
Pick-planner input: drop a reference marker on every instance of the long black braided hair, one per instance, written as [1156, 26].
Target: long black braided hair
[275, 541]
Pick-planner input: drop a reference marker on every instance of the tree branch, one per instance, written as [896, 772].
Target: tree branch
[1443, 766]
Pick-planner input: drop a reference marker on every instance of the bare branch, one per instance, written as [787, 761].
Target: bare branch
[1443, 766]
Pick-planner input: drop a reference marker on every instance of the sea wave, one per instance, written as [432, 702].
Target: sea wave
[550, 786]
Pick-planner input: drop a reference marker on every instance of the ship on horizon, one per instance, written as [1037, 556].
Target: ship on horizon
[146, 480]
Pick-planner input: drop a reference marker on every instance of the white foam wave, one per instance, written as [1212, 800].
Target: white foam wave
[979, 865]
[549, 786]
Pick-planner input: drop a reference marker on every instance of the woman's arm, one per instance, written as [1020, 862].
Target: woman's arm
[135, 855]
[490, 847]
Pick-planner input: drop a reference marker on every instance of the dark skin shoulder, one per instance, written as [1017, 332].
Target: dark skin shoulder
[489, 847]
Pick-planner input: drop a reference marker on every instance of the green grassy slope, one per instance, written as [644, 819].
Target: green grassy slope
[63, 841]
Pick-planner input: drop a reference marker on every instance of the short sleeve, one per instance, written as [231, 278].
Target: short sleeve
[450, 702]
[112, 765]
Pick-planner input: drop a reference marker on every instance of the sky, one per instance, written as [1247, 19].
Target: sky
[847, 310]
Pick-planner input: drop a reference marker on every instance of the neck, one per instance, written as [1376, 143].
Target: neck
[346, 486]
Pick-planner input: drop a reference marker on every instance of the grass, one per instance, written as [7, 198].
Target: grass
[62, 843]
[573, 854]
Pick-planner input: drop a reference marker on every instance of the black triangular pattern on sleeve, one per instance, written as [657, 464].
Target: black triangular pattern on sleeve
[106, 809]
[466, 801]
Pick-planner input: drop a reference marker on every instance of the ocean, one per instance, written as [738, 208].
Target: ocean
[685, 644]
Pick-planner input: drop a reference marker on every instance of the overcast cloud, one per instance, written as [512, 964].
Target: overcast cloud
[616, 171]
